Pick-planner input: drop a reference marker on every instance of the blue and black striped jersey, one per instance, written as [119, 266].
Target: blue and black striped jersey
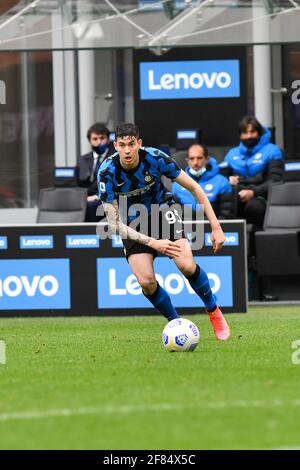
[142, 184]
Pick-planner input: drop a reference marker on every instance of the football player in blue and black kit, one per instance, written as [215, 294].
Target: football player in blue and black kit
[134, 172]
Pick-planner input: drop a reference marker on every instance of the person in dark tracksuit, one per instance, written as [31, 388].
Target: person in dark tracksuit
[205, 171]
[251, 167]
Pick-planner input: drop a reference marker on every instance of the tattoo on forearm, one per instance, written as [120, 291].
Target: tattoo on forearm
[118, 227]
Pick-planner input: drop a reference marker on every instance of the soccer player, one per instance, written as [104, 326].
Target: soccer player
[135, 172]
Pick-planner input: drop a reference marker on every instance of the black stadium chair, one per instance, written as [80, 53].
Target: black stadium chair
[291, 170]
[62, 205]
[278, 246]
[180, 157]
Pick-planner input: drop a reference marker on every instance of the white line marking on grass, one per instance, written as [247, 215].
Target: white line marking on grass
[2, 352]
[86, 411]
[123, 409]
[286, 448]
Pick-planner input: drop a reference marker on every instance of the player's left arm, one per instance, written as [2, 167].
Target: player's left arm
[217, 235]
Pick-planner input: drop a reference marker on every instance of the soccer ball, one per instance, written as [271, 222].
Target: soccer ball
[180, 335]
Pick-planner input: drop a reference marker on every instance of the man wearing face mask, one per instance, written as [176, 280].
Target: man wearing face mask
[89, 164]
[251, 168]
[205, 171]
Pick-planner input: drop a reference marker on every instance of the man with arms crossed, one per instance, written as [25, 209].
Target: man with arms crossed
[135, 172]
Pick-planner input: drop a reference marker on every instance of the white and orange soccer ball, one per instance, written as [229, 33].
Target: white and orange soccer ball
[180, 335]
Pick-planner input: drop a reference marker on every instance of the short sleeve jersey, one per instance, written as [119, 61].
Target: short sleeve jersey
[140, 185]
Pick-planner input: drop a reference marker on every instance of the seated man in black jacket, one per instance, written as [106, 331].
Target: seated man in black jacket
[251, 167]
[89, 164]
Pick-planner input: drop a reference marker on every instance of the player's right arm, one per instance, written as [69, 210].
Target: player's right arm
[116, 225]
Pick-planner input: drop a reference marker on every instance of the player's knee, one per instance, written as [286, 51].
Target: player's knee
[187, 269]
[147, 283]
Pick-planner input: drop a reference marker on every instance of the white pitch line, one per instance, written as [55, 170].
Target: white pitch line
[123, 409]
[286, 448]
[86, 411]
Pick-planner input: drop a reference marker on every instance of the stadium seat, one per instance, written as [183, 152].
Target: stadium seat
[278, 246]
[62, 205]
[218, 153]
[180, 157]
[291, 170]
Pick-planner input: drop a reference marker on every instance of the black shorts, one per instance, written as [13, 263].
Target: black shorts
[168, 226]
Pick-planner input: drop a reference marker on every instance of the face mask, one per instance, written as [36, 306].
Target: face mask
[100, 149]
[198, 172]
[250, 143]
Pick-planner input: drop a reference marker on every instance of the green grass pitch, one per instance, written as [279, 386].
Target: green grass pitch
[108, 383]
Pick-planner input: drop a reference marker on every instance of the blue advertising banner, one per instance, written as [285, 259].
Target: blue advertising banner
[118, 287]
[71, 280]
[189, 79]
[232, 239]
[27, 284]
[117, 241]
[36, 242]
[3, 243]
[82, 241]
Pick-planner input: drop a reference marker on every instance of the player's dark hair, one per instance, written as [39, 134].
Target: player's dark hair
[250, 121]
[98, 129]
[205, 149]
[127, 128]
